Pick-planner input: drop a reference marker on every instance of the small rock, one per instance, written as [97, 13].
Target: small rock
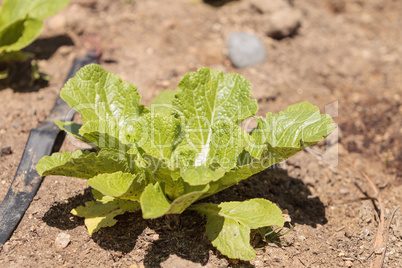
[268, 6]
[175, 261]
[348, 263]
[16, 125]
[287, 217]
[302, 237]
[284, 23]
[32, 111]
[397, 228]
[245, 49]
[65, 50]
[364, 233]
[366, 213]
[5, 150]
[344, 191]
[62, 240]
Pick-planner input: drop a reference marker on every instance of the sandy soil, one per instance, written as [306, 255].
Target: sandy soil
[345, 58]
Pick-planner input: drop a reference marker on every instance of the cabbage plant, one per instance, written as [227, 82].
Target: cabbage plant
[188, 145]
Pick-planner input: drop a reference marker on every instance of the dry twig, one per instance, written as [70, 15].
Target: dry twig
[387, 236]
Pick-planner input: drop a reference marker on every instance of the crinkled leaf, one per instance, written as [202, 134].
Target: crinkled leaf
[56, 160]
[162, 103]
[101, 214]
[227, 142]
[157, 135]
[107, 104]
[119, 184]
[229, 224]
[103, 134]
[95, 138]
[281, 135]
[154, 202]
[85, 165]
[207, 97]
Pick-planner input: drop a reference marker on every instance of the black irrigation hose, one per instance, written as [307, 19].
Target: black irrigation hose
[42, 141]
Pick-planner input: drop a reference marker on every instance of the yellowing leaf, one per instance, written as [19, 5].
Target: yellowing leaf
[98, 214]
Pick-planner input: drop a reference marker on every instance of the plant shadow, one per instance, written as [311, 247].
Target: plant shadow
[218, 3]
[275, 185]
[59, 215]
[22, 72]
[44, 48]
[184, 235]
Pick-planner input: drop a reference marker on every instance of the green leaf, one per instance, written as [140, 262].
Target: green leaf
[282, 135]
[201, 175]
[106, 103]
[207, 97]
[172, 157]
[12, 10]
[99, 214]
[162, 103]
[85, 165]
[154, 202]
[48, 163]
[72, 129]
[119, 184]
[157, 135]
[229, 224]
[19, 34]
[227, 142]
[21, 21]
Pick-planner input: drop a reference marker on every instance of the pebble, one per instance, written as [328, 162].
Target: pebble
[245, 49]
[175, 261]
[364, 233]
[344, 191]
[62, 240]
[5, 150]
[302, 237]
[268, 6]
[16, 125]
[284, 23]
[281, 19]
[366, 213]
[348, 263]
[32, 111]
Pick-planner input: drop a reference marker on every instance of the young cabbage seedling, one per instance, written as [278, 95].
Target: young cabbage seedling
[186, 146]
[21, 22]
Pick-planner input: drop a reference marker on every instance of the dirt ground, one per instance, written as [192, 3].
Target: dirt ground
[345, 58]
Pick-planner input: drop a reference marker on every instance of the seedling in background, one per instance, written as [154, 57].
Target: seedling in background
[21, 22]
[270, 235]
[164, 161]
